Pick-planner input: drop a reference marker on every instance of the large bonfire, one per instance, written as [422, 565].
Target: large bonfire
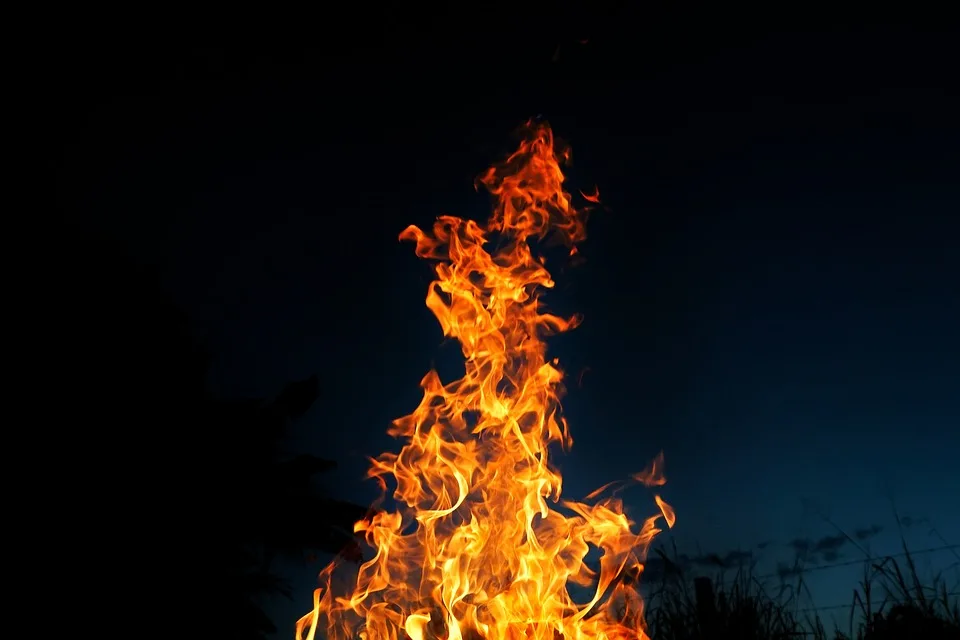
[481, 545]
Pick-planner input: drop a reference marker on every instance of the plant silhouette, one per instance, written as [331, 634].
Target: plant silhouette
[183, 501]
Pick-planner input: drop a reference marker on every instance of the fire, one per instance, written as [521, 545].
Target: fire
[481, 544]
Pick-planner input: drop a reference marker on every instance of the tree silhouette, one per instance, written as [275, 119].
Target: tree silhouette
[279, 512]
[181, 500]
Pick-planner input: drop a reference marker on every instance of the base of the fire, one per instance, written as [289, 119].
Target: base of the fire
[894, 600]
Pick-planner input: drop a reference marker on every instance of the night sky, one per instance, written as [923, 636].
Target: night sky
[771, 293]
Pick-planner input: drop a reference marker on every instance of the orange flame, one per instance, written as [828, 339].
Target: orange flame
[479, 546]
[592, 197]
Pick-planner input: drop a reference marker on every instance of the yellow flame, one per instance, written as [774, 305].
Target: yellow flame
[479, 547]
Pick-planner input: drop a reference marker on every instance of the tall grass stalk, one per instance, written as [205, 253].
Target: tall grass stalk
[890, 602]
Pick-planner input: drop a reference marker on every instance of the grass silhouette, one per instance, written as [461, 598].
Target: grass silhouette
[891, 601]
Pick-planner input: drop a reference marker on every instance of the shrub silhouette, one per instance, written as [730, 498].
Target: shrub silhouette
[183, 501]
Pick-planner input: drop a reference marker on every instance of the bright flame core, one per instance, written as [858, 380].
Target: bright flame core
[475, 549]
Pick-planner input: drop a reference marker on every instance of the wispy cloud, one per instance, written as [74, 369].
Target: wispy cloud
[865, 534]
[810, 552]
[804, 553]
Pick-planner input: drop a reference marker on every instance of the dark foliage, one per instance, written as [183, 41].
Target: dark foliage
[174, 503]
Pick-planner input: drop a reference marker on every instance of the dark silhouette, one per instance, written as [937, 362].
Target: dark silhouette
[183, 501]
[892, 601]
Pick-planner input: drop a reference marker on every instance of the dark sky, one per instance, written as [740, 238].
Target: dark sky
[772, 295]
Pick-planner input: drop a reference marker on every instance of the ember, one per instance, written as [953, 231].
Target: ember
[481, 544]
